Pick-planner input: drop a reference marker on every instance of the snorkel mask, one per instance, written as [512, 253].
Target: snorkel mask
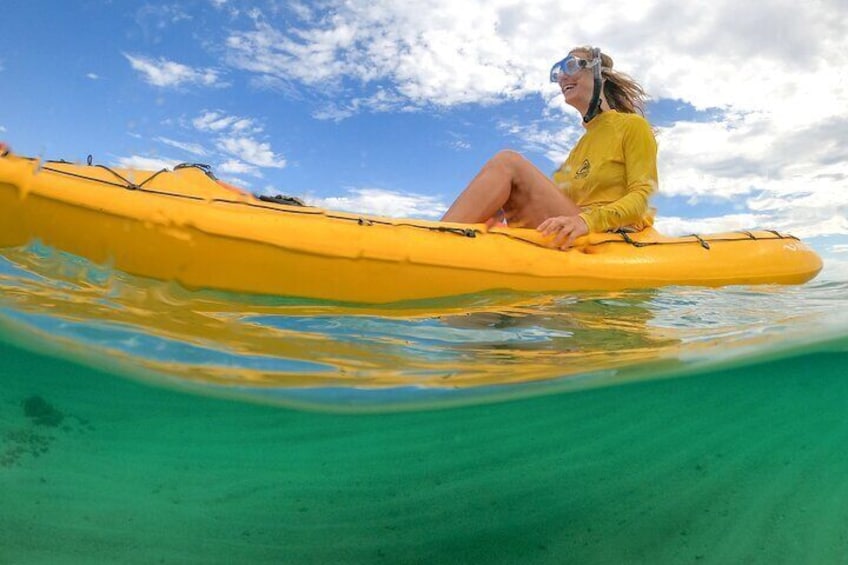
[572, 65]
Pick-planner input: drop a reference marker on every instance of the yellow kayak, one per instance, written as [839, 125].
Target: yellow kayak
[184, 225]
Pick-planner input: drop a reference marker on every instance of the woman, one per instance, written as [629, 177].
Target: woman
[604, 184]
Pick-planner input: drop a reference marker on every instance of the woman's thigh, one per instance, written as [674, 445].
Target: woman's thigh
[534, 197]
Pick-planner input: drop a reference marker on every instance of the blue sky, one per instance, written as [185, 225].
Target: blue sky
[390, 107]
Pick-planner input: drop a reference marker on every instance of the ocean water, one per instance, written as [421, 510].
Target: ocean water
[145, 423]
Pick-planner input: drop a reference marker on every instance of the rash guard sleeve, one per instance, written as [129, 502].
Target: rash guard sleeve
[639, 150]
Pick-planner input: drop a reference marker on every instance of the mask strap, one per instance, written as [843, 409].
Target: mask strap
[595, 104]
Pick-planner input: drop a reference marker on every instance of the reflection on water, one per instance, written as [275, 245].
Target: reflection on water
[461, 349]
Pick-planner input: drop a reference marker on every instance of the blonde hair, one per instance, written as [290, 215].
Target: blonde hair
[622, 93]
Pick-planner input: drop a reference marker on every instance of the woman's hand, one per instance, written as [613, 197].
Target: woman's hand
[565, 229]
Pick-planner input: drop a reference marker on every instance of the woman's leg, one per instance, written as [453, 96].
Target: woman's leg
[511, 183]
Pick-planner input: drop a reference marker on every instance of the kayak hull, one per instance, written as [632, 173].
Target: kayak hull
[184, 226]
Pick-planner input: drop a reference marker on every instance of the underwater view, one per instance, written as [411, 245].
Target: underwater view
[142, 422]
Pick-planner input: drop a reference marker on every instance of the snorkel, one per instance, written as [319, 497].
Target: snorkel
[595, 104]
[571, 65]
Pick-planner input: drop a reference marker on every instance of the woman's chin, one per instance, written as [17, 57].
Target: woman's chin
[574, 102]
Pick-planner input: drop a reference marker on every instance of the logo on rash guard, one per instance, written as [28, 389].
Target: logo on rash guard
[583, 171]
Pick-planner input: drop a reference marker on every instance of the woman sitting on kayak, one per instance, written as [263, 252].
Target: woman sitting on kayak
[606, 181]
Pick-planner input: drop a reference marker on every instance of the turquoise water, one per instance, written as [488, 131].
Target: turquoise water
[141, 422]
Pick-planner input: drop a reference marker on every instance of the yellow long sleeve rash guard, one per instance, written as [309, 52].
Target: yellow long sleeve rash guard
[612, 171]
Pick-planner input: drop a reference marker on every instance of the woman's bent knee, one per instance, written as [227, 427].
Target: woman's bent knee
[510, 163]
[508, 158]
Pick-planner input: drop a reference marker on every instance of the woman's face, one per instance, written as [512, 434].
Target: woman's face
[578, 88]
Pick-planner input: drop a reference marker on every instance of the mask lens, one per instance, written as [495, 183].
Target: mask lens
[568, 66]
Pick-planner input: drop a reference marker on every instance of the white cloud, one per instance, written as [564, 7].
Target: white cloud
[2, 129]
[234, 139]
[793, 176]
[92, 76]
[142, 163]
[301, 10]
[238, 182]
[444, 53]
[805, 224]
[251, 151]
[380, 101]
[235, 167]
[382, 202]
[441, 53]
[215, 121]
[553, 139]
[458, 141]
[155, 19]
[834, 270]
[233, 152]
[227, 7]
[193, 148]
[334, 113]
[834, 253]
[671, 225]
[164, 73]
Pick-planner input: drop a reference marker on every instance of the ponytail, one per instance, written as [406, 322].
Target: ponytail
[622, 93]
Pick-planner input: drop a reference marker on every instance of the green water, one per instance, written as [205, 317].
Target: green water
[743, 465]
[145, 424]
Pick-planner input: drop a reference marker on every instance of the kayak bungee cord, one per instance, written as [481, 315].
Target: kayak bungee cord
[291, 204]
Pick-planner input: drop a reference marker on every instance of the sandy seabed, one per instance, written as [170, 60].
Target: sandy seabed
[747, 465]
